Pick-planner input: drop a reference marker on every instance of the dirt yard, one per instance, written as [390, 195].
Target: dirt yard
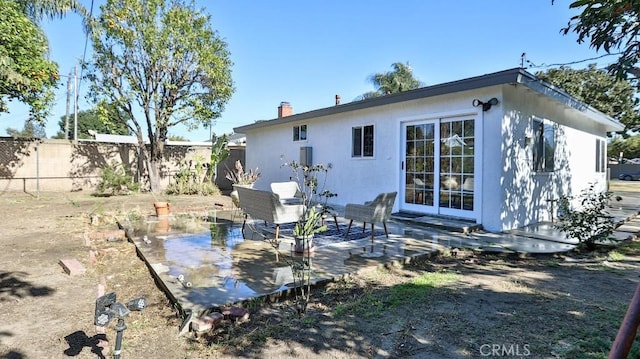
[465, 306]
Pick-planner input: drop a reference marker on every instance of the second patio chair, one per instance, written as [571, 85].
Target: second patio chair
[288, 192]
[376, 211]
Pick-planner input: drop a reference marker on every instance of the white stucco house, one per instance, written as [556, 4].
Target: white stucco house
[495, 149]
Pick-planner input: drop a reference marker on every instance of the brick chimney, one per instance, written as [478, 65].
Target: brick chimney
[285, 109]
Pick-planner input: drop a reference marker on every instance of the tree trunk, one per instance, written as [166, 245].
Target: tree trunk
[153, 168]
[155, 159]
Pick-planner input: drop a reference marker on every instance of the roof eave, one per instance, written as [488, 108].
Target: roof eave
[610, 124]
[498, 78]
[511, 76]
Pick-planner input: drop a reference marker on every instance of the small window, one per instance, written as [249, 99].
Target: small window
[544, 145]
[300, 133]
[362, 141]
[601, 155]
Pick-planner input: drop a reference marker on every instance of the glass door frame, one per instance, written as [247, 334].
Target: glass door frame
[437, 120]
[419, 207]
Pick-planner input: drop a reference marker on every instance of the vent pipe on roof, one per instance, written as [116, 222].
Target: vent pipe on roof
[284, 109]
[337, 100]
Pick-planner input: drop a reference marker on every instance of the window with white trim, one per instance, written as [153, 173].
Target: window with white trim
[362, 141]
[300, 133]
[601, 155]
[544, 145]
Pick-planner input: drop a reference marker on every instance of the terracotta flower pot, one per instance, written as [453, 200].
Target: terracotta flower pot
[162, 208]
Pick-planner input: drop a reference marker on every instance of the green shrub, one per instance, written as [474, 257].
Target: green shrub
[115, 180]
[192, 178]
[589, 223]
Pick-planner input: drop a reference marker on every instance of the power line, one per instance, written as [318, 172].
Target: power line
[532, 65]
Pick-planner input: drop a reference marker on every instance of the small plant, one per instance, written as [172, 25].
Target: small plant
[309, 226]
[615, 256]
[314, 196]
[114, 180]
[239, 176]
[192, 179]
[219, 152]
[589, 223]
[311, 181]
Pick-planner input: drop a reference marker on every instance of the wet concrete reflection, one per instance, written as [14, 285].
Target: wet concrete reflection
[205, 263]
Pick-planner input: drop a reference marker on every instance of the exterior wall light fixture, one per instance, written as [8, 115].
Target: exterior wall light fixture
[485, 105]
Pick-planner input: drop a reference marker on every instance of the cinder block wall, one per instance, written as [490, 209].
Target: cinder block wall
[61, 165]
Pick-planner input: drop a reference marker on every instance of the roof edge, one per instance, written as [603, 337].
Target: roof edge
[497, 78]
[557, 94]
[510, 76]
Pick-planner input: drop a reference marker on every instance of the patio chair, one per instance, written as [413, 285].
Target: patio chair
[288, 192]
[265, 206]
[376, 211]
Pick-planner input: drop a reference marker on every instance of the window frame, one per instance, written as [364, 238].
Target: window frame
[366, 141]
[300, 133]
[601, 155]
[543, 162]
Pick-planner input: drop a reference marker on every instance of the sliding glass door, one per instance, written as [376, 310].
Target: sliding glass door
[438, 166]
[457, 149]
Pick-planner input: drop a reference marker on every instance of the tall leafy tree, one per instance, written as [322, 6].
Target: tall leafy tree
[92, 120]
[161, 64]
[399, 79]
[629, 147]
[39, 9]
[612, 96]
[26, 75]
[32, 129]
[612, 26]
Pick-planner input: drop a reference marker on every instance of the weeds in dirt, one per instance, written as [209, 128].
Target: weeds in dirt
[308, 321]
[72, 202]
[592, 334]
[629, 248]
[253, 303]
[134, 214]
[615, 256]
[417, 290]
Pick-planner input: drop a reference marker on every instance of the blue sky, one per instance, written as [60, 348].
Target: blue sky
[306, 52]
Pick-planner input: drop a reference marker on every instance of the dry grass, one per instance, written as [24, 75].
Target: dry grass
[559, 307]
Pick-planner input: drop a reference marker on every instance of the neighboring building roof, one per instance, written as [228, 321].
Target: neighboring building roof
[104, 137]
[512, 76]
[237, 139]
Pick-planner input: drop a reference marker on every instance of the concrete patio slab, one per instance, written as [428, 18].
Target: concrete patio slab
[221, 266]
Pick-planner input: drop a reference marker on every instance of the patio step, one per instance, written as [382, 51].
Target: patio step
[545, 231]
[440, 222]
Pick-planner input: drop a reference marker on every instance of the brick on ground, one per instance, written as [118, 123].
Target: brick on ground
[237, 313]
[72, 267]
[206, 322]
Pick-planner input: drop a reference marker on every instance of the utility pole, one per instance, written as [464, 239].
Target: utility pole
[66, 118]
[75, 106]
